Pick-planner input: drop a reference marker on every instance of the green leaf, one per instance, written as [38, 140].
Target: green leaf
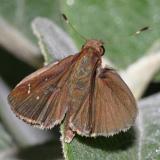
[121, 146]
[113, 22]
[135, 144]
[149, 126]
[55, 43]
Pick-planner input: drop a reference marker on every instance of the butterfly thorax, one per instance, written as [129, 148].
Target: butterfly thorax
[82, 75]
[96, 45]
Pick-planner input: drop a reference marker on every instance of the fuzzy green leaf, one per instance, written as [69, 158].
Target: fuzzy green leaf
[135, 144]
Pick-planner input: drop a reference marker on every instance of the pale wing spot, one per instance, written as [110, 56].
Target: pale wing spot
[37, 98]
[29, 88]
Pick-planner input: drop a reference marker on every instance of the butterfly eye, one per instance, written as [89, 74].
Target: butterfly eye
[103, 50]
[82, 46]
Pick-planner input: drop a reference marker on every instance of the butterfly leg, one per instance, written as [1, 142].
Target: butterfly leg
[68, 133]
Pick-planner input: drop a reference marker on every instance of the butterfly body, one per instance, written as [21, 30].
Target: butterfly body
[91, 100]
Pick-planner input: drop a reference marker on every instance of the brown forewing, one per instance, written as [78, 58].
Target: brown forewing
[41, 98]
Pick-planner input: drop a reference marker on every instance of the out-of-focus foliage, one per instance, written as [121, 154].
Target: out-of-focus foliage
[20, 13]
[5, 139]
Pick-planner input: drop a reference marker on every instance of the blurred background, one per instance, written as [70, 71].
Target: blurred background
[114, 22]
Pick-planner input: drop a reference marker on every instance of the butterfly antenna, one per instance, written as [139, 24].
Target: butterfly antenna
[141, 30]
[70, 24]
[133, 34]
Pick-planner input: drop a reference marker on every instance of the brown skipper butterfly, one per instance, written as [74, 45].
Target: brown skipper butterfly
[89, 99]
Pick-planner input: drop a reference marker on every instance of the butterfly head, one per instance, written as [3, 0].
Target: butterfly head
[96, 45]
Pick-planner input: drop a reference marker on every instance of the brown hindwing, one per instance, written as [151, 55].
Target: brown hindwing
[114, 107]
